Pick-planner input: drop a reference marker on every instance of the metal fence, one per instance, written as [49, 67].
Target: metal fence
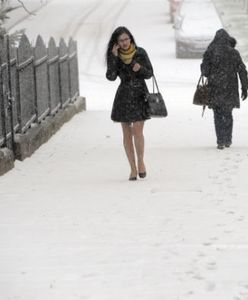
[35, 82]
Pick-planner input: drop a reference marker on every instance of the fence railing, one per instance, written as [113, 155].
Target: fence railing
[35, 82]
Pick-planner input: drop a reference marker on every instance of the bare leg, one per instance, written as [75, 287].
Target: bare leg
[129, 147]
[139, 142]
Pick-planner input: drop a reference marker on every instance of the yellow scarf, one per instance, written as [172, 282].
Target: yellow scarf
[127, 55]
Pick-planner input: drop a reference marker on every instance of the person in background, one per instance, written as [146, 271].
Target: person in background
[222, 65]
[131, 64]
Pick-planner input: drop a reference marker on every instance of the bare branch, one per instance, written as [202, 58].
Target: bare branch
[23, 5]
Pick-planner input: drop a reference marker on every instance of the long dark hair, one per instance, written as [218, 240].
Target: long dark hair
[114, 39]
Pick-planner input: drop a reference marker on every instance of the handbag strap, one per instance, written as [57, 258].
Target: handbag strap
[154, 83]
[201, 80]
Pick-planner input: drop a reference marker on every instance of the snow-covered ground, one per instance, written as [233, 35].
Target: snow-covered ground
[73, 227]
[18, 15]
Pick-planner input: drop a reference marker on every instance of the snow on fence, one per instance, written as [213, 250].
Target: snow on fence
[35, 82]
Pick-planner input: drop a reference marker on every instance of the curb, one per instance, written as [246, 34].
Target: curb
[6, 160]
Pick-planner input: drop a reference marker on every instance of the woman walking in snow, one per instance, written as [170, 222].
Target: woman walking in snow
[131, 63]
[221, 65]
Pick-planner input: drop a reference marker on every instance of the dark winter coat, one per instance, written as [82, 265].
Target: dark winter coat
[129, 103]
[221, 65]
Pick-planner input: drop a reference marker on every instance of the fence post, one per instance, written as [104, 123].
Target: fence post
[26, 83]
[73, 69]
[9, 95]
[64, 73]
[3, 131]
[53, 66]
[41, 78]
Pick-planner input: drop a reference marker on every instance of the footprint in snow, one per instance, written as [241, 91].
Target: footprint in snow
[198, 277]
[210, 286]
[221, 225]
[190, 272]
[211, 263]
[214, 238]
[189, 293]
[211, 268]
[214, 177]
[207, 244]
[227, 158]
[209, 195]
[218, 183]
[228, 179]
[154, 191]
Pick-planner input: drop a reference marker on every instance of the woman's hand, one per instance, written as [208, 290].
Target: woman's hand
[136, 67]
[115, 49]
[244, 94]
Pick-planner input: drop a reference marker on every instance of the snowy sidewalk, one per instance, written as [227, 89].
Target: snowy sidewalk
[73, 227]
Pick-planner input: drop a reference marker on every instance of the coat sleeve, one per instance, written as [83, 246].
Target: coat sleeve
[146, 69]
[242, 72]
[112, 70]
[206, 64]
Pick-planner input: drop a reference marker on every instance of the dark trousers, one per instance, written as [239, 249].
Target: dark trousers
[223, 121]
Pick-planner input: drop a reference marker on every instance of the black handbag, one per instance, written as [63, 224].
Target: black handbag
[155, 102]
[201, 96]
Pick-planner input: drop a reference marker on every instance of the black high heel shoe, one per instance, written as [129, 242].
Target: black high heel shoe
[142, 174]
[132, 178]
